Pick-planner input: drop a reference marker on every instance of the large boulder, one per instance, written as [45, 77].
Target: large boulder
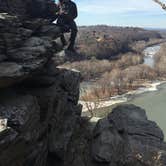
[127, 137]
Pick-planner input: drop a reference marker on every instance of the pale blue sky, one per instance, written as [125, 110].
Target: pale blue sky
[142, 13]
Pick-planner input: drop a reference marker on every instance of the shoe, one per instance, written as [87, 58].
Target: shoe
[71, 49]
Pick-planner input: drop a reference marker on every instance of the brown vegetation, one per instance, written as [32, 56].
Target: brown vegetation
[119, 81]
[100, 45]
[128, 74]
[160, 61]
[91, 69]
[105, 42]
[139, 46]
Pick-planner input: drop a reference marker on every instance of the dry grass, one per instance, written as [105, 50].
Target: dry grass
[91, 69]
[119, 81]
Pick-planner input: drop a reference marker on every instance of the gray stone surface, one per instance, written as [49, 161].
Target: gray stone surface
[39, 107]
[127, 137]
[25, 38]
[41, 118]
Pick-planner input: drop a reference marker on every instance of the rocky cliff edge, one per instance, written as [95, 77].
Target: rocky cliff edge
[40, 118]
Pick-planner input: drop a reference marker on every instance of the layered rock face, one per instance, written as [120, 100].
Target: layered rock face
[41, 116]
[26, 39]
[29, 8]
[38, 101]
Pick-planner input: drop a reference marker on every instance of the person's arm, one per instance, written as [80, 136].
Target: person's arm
[73, 11]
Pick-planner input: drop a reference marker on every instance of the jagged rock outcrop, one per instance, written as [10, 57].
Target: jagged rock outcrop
[26, 39]
[39, 107]
[126, 138]
[41, 113]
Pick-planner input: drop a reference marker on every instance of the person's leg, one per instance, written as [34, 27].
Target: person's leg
[63, 40]
[60, 23]
[73, 36]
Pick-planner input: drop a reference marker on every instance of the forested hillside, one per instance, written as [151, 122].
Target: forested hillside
[105, 42]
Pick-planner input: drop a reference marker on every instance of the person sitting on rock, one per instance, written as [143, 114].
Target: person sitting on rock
[66, 15]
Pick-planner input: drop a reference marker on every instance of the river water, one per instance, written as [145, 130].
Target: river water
[153, 102]
[155, 105]
[149, 53]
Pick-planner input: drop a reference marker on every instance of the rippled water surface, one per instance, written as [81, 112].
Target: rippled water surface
[155, 105]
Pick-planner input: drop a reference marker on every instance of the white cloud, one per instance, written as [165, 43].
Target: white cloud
[118, 6]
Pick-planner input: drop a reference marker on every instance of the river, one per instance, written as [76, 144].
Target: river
[155, 105]
[149, 53]
[154, 101]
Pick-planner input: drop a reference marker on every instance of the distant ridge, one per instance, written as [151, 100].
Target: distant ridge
[156, 29]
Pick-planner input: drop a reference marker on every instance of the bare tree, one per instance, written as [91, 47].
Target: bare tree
[91, 102]
[160, 3]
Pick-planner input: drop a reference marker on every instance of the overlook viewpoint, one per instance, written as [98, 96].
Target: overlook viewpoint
[45, 89]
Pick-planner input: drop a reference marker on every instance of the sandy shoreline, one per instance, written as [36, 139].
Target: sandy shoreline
[148, 87]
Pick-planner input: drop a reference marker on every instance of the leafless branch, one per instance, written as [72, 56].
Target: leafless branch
[160, 3]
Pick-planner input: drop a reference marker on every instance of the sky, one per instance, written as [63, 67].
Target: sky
[135, 13]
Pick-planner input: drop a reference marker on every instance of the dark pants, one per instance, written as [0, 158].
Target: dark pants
[68, 26]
